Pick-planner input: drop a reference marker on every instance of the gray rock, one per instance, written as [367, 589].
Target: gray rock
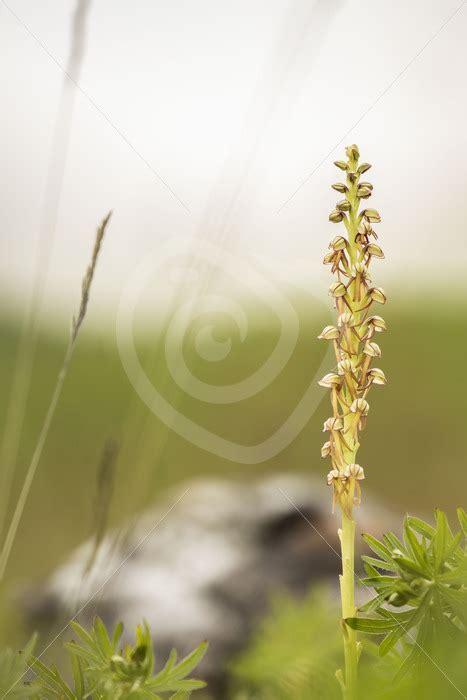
[206, 567]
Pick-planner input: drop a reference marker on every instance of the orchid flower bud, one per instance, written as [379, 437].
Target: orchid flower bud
[343, 205]
[378, 323]
[360, 406]
[337, 289]
[330, 380]
[338, 243]
[377, 294]
[372, 215]
[374, 250]
[333, 424]
[354, 471]
[377, 376]
[336, 217]
[341, 164]
[329, 333]
[340, 187]
[326, 449]
[372, 349]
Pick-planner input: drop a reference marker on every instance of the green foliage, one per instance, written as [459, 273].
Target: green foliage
[293, 654]
[13, 666]
[102, 671]
[426, 574]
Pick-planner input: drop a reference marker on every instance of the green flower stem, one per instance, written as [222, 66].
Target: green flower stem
[347, 586]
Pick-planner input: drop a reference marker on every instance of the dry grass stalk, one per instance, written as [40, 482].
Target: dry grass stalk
[75, 327]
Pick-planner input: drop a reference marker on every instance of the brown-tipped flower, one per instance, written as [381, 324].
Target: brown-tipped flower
[345, 366]
[337, 289]
[377, 294]
[372, 215]
[330, 258]
[333, 424]
[329, 333]
[372, 349]
[363, 192]
[368, 185]
[336, 217]
[326, 449]
[341, 164]
[340, 187]
[354, 471]
[335, 475]
[360, 406]
[338, 243]
[378, 323]
[330, 380]
[343, 205]
[377, 376]
[374, 250]
[363, 168]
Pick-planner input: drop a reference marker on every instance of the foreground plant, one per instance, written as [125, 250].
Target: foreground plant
[426, 572]
[101, 670]
[349, 383]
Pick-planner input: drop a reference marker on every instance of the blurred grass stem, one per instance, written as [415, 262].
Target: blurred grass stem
[75, 328]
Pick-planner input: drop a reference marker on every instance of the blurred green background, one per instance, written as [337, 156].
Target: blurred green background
[412, 450]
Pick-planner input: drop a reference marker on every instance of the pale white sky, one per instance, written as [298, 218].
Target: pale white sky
[233, 104]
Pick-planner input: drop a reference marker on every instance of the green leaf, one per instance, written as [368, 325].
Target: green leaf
[405, 622]
[82, 634]
[374, 603]
[377, 547]
[416, 649]
[421, 526]
[52, 679]
[414, 545]
[102, 637]
[457, 599]
[378, 581]
[462, 517]
[370, 625]
[440, 539]
[118, 631]
[395, 543]
[379, 564]
[78, 676]
[370, 570]
[411, 567]
[457, 575]
[453, 546]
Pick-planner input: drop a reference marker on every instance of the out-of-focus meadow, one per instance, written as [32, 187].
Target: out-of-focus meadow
[413, 450]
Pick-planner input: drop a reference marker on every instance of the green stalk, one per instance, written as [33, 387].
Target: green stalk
[347, 587]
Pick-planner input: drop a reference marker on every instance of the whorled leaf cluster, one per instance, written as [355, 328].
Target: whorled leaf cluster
[355, 349]
[103, 670]
[425, 573]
